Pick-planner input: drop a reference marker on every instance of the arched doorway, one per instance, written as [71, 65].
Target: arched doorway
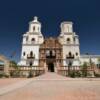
[31, 63]
[51, 67]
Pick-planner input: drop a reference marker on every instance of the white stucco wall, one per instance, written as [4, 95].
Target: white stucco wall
[86, 58]
[32, 44]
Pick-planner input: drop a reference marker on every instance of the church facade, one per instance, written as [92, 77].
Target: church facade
[52, 54]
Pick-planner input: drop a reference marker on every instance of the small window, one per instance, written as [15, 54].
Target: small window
[34, 28]
[31, 54]
[68, 40]
[76, 54]
[33, 39]
[31, 63]
[70, 54]
[23, 53]
[74, 39]
[27, 38]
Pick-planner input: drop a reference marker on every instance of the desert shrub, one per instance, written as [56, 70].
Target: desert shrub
[3, 75]
[97, 75]
[84, 69]
[30, 74]
[74, 74]
[89, 74]
[7, 76]
[78, 73]
[15, 74]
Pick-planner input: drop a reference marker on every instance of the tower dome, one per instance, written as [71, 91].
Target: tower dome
[35, 20]
[35, 25]
[66, 27]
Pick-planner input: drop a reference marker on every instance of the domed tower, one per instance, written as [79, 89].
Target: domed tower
[31, 44]
[35, 26]
[70, 43]
[35, 30]
[66, 27]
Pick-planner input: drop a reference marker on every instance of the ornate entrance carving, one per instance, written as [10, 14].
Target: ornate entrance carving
[50, 54]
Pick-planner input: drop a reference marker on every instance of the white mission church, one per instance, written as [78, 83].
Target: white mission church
[52, 54]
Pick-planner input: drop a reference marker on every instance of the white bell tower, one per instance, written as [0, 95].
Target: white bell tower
[31, 44]
[70, 42]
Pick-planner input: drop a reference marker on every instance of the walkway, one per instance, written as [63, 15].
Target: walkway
[51, 86]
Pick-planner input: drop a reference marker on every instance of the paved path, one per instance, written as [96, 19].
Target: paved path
[8, 81]
[51, 86]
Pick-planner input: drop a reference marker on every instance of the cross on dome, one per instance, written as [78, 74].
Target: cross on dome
[35, 19]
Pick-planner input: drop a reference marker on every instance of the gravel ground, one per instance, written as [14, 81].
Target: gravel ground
[51, 86]
[8, 81]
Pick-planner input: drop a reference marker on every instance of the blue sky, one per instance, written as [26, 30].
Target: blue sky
[15, 16]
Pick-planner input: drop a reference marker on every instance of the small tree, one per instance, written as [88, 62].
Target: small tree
[92, 64]
[84, 69]
[30, 74]
[15, 70]
[13, 64]
[98, 62]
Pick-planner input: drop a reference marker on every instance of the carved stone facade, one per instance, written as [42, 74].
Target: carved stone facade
[51, 55]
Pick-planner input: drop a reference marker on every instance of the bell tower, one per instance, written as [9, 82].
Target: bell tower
[31, 44]
[35, 26]
[66, 27]
[70, 43]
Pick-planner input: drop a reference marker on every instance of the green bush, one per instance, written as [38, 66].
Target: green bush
[15, 74]
[84, 69]
[74, 74]
[96, 75]
[90, 75]
[30, 74]
[3, 75]
[7, 76]
[78, 74]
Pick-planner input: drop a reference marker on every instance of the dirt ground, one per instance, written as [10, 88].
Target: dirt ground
[8, 81]
[51, 86]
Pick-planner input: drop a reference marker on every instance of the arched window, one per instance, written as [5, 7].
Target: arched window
[68, 40]
[34, 28]
[32, 40]
[27, 38]
[31, 54]
[76, 54]
[70, 63]
[70, 54]
[24, 53]
[74, 39]
[31, 63]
